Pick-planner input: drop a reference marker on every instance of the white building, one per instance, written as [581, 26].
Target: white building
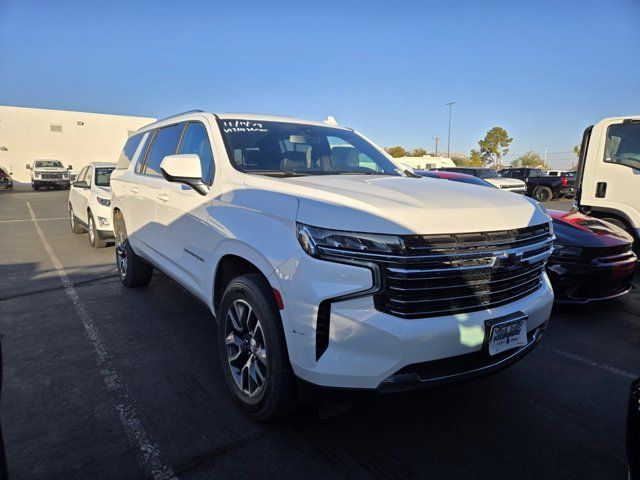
[74, 138]
[425, 162]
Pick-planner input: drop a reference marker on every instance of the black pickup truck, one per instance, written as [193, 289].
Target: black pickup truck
[540, 186]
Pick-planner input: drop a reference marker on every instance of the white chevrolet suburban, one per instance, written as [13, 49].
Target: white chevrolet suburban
[323, 263]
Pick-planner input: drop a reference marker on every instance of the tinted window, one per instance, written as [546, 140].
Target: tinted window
[164, 143]
[534, 172]
[623, 144]
[103, 176]
[195, 140]
[126, 157]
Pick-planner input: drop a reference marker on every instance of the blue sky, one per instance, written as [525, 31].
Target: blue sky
[543, 70]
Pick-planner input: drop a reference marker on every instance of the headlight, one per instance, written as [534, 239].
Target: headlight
[322, 242]
[567, 252]
[104, 201]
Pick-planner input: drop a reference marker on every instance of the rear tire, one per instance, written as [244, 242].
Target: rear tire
[132, 269]
[543, 194]
[253, 350]
[35, 187]
[73, 221]
[94, 239]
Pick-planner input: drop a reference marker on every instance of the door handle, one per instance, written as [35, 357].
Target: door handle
[601, 189]
[163, 197]
[134, 189]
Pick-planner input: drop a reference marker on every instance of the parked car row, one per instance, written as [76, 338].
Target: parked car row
[327, 267]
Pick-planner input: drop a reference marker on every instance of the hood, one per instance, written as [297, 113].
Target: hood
[104, 192]
[506, 182]
[401, 205]
[579, 230]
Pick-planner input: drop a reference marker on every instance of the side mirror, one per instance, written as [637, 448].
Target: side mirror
[81, 184]
[70, 167]
[28, 166]
[184, 168]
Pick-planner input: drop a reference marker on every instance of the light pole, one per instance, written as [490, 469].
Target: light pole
[449, 133]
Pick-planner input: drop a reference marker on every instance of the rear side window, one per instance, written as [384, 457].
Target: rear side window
[165, 142]
[195, 140]
[128, 151]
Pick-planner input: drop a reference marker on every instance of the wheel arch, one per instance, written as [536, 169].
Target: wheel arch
[230, 266]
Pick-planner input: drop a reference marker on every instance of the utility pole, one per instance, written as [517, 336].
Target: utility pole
[449, 104]
[437, 140]
[545, 155]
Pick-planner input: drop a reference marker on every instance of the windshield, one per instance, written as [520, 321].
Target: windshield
[292, 149]
[48, 163]
[487, 173]
[103, 176]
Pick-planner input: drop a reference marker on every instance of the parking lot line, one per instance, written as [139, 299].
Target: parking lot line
[30, 220]
[148, 453]
[610, 369]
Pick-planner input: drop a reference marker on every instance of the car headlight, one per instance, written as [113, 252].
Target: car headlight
[322, 242]
[104, 201]
[567, 252]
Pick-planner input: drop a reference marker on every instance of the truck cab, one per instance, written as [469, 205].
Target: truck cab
[608, 176]
[49, 173]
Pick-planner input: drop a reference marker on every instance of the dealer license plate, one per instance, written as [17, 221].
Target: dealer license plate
[507, 334]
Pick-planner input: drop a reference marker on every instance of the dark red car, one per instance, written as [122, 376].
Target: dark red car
[592, 259]
[6, 181]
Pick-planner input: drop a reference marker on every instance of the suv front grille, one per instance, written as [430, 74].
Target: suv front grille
[449, 274]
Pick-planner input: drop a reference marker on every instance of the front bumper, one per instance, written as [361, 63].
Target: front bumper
[568, 192]
[63, 183]
[583, 282]
[366, 346]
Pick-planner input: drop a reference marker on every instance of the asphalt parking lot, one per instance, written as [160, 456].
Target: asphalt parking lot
[105, 382]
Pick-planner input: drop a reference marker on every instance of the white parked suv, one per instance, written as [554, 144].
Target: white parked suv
[90, 204]
[324, 264]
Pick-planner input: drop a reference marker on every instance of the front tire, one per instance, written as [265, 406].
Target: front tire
[73, 221]
[253, 351]
[94, 239]
[132, 269]
[543, 194]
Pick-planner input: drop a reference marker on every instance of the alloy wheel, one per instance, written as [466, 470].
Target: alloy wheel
[121, 256]
[246, 348]
[92, 233]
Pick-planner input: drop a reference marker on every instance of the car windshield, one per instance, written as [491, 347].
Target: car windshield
[48, 163]
[487, 173]
[292, 149]
[103, 176]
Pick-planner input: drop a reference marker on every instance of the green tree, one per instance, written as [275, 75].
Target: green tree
[396, 152]
[529, 159]
[576, 151]
[475, 159]
[495, 145]
[460, 160]
[417, 152]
